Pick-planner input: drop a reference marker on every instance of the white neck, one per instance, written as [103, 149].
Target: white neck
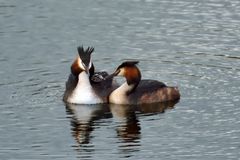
[83, 80]
[119, 95]
[124, 88]
[84, 93]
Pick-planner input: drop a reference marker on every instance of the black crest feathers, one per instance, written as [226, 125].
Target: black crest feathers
[85, 55]
[128, 64]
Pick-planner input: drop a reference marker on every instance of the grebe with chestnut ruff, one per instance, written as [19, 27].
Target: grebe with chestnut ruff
[84, 86]
[137, 91]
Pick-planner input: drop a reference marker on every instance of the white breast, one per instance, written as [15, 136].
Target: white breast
[119, 96]
[83, 93]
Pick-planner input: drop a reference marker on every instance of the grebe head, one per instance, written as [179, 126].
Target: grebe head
[85, 57]
[129, 70]
[83, 61]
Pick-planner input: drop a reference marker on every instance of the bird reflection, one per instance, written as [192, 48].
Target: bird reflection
[128, 126]
[155, 108]
[82, 120]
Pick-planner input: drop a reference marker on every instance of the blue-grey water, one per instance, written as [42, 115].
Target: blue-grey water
[194, 45]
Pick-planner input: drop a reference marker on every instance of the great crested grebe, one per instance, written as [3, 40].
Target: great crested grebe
[84, 86]
[137, 91]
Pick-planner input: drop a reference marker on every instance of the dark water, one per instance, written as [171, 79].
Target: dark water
[192, 44]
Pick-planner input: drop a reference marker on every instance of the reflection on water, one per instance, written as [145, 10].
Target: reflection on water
[191, 44]
[127, 126]
[82, 121]
[156, 107]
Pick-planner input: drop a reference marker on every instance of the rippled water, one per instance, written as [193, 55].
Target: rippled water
[191, 44]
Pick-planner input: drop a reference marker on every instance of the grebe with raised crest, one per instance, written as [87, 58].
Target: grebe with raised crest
[84, 85]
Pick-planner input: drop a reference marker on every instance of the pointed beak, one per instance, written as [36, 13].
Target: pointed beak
[87, 70]
[113, 74]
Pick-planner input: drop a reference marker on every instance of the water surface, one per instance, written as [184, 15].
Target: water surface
[190, 44]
